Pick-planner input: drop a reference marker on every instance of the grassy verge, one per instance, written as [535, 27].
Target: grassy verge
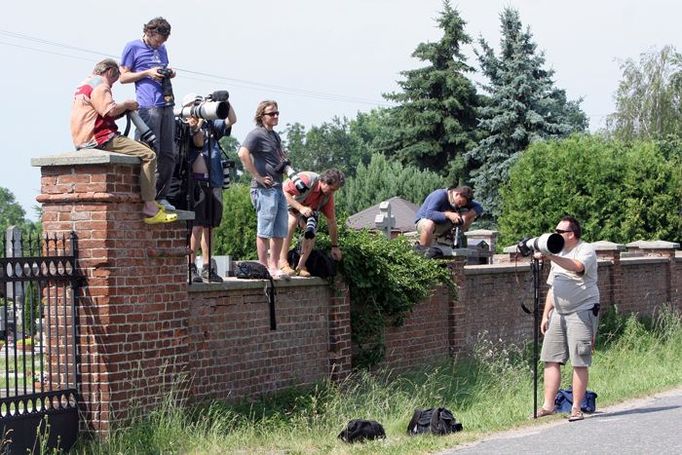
[492, 391]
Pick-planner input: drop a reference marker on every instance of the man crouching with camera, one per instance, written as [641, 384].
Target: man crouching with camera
[207, 183]
[307, 195]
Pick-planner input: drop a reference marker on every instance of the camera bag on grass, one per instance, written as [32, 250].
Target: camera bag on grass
[438, 421]
[319, 263]
[252, 270]
[563, 402]
[359, 430]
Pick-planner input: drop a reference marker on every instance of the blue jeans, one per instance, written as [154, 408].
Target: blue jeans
[271, 212]
[162, 122]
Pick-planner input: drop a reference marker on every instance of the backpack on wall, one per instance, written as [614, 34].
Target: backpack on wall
[319, 263]
[359, 430]
[438, 421]
[252, 270]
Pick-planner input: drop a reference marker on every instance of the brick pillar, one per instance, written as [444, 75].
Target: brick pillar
[339, 331]
[133, 308]
[457, 315]
[611, 251]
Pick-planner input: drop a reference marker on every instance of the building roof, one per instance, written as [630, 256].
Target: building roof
[403, 211]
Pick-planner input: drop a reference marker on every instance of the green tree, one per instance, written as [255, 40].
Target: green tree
[435, 120]
[11, 212]
[649, 97]
[382, 179]
[620, 192]
[236, 235]
[524, 107]
[333, 144]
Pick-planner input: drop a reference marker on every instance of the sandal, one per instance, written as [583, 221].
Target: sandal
[575, 416]
[161, 217]
[542, 412]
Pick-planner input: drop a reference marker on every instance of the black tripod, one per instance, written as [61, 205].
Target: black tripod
[536, 268]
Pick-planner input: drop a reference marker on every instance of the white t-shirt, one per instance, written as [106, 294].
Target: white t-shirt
[575, 291]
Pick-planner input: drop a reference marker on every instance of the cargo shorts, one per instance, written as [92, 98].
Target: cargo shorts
[570, 336]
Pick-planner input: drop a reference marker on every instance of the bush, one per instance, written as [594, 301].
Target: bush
[619, 192]
[236, 235]
[386, 280]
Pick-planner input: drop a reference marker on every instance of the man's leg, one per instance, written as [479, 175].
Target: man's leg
[306, 248]
[552, 380]
[262, 244]
[580, 378]
[426, 228]
[275, 251]
[291, 228]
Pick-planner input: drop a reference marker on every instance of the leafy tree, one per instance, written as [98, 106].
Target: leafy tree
[649, 97]
[330, 145]
[236, 235]
[619, 191]
[382, 179]
[524, 107]
[434, 123]
[11, 212]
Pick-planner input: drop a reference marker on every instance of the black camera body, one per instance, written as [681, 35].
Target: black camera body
[166, 86]
[311, 226]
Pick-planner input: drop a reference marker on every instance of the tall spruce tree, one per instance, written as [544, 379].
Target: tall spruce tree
[434, 122]
[524, 106]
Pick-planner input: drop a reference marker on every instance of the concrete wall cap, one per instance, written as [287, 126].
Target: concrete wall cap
[485, 232]
[605, 245]
[654, 245]
[84, 157]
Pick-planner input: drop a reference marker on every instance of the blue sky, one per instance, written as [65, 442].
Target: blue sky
[317, 58]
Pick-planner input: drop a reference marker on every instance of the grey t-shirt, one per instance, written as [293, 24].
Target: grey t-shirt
[265, 147]
[573, 291]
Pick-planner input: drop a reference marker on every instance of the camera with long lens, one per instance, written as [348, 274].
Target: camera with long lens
[546, 244]
[166, 86]
[213, 107]
[311, 226]
[146, 134]
[229, 167]
[285, 168]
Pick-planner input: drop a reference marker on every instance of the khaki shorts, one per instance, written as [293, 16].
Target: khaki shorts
[440, 228]
[569, 336]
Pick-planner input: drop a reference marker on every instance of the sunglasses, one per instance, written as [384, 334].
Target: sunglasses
[271, 114]
[561, 231]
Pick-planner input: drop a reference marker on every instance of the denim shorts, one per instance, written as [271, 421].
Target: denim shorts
[271, 212]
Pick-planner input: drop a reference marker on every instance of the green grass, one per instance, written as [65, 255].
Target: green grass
[489, 392]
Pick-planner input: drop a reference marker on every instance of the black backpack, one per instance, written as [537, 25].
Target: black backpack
[359, 430]
[252, 270]
[319, 263]
[433, 420]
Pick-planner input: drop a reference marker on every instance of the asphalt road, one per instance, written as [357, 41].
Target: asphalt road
[650, 425]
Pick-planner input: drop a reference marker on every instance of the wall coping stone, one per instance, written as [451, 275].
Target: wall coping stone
[644, 260]
[84, 157]
[232, 283]
[654, 245]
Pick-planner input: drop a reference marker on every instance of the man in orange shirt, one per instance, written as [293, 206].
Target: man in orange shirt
[93, 125]
[318, 197]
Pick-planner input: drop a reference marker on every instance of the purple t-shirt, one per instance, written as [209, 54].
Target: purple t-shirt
[137, 56]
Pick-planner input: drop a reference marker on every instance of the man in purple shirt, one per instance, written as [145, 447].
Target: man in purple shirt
[443, 209]
[145, 62]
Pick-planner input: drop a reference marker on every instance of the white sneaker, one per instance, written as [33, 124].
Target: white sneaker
[167, 206]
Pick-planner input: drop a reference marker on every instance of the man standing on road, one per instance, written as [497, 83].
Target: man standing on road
[570, 317]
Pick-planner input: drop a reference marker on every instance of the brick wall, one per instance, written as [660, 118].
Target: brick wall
[236, 356]
[143, 332]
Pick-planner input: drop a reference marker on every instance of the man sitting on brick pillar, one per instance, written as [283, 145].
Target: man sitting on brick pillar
[93, 125]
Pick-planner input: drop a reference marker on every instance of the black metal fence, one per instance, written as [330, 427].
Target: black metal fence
[38, 351]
